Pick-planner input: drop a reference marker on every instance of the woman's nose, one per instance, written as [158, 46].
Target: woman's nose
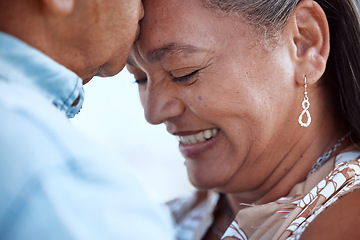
[161, 105]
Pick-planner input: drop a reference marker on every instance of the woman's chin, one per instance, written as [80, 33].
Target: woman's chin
[205, 182]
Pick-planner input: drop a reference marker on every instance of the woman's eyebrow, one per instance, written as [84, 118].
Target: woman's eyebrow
[159, 53]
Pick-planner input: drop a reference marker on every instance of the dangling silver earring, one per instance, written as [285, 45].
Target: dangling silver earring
[305, 106]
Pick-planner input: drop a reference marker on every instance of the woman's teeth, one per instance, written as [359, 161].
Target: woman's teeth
[199, 137]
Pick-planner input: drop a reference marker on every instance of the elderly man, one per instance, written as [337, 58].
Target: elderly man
[55, 183]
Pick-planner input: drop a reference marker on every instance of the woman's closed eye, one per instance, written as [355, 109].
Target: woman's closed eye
[182, 79]
[185, 79]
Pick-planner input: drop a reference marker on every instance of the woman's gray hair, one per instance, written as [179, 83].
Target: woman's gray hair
[343, 66]
[268, 16]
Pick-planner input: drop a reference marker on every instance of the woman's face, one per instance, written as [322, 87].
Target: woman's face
[231, 100]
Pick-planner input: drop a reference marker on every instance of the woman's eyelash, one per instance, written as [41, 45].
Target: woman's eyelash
[185, 78]
[175, 79]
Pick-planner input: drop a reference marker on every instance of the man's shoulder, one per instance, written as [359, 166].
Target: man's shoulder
[33, 131]
[27, 117]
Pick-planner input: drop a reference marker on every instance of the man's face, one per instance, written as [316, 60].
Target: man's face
[102, 33]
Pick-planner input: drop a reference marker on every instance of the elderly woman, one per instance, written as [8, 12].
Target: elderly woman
[264, 96]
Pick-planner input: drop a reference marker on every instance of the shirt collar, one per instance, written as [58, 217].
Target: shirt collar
[24, 65]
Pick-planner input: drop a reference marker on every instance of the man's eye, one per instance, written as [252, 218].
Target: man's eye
[185, 78]
[141, 81]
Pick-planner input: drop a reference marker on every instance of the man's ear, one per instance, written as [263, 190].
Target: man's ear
[311, 41]
[62, 7]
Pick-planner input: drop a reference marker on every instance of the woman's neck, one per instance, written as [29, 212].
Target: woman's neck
[294, 167]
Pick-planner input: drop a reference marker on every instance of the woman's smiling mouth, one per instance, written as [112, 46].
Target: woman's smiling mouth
[199, 137]
[195, 144]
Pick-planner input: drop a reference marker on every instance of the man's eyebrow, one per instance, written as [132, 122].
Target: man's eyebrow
[159, 53]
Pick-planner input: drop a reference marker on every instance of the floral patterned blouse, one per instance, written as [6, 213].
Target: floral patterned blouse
[286, 218]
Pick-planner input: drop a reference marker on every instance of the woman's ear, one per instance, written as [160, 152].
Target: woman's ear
[61, 7]
[311, 41]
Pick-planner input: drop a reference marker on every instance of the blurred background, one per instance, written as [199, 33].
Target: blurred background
[113, 116]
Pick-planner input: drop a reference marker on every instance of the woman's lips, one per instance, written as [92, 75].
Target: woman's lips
[195, 144]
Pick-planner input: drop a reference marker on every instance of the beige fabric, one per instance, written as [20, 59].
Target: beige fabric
[288, 217]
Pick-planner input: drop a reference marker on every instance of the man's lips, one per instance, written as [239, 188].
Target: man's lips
[86, 80]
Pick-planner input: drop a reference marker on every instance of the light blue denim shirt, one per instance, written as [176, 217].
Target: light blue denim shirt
[27, 67]
[54, 182]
